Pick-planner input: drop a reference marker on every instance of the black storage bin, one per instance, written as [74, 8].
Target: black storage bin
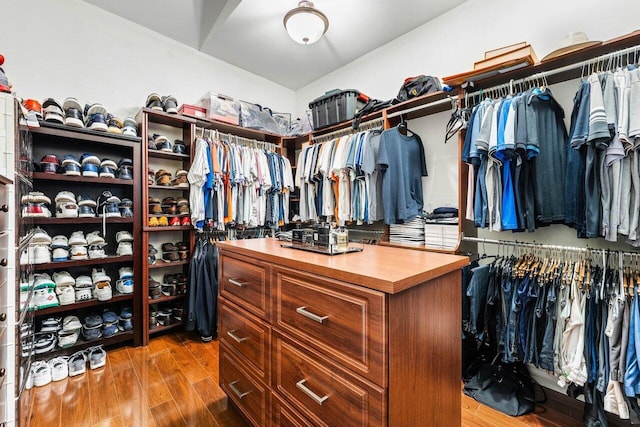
[336, 106]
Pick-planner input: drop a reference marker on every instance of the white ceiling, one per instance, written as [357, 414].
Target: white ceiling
[250, 33]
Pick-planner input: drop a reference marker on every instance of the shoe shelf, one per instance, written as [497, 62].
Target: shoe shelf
[168, 228]
[160, 117]
[87, 179]
[162, 264]
[63, 131]
[81, 344]
[163, 328]
[169, 215]
[167, 187]
[82, 304]
[81, 262]
[166, 155]
[166, 299]
[88, 220]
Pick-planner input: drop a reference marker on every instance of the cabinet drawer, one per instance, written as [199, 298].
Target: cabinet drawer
[283, 415]
[246, 282]
[248, 336]
[320, 392]
[344, 322]
[250, 396]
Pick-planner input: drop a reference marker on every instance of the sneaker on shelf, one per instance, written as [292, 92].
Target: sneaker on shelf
[110, 210]
[35, 197]
[66, 210]
[44, 342]
[71, 166]
[96, 252]
[41, 254]
[114, 124]
[85, 200]
[40, 236]
[66, 295]
[71, 324]
[77, 238]
[86, 212]
[59, 242]
[43, 281]
[60, 254]
[73, 113]
[129, 127]
[124, 249]
[67, 339]
[125, 273]
[79, 252]
[96, 117]
[90, 170]
[36, 210]
[154, 101]
[102, 291]
[97, 357]
[83, 294]
[51, 324]
[99, 275]
[45, 298]
[109, 329]
[63, 278]
[52, 111]
[49, 164]
[65, 196]
[59, 368]
[83, 281]
[185, 221]
[77, 364]
[124, 286]
[170, 104]
[94, 238]
[124, 236]
[41, 373]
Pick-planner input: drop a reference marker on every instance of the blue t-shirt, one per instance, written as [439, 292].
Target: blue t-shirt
[402, 161]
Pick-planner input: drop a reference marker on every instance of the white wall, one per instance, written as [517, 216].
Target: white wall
[61, 48]
[451, 43]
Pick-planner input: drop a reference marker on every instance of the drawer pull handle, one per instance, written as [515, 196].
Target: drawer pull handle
[4, 262]
[233, 388]
[310, 315]
[4, 208]
[235, 337]
[238, 283]
[319, 400]
[3, 317]
[3, 371]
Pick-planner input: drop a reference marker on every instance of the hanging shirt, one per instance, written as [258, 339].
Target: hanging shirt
[197, 177]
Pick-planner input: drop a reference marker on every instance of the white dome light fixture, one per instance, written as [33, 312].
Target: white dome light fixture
[305, 24]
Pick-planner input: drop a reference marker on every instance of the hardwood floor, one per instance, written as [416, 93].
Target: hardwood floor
[174, 382]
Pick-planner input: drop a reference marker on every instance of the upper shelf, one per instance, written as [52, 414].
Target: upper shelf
[82, 134]
[239, 131]
[163, 118]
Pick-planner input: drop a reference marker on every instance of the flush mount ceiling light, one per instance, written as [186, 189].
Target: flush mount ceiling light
[305, 24]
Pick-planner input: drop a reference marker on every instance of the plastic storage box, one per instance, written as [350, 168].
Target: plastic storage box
[336, 106]
[221, 108]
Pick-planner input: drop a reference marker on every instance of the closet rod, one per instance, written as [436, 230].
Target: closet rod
[555, 71]
[446, 100]
[542, 245]
[371, 124]
[200, 132]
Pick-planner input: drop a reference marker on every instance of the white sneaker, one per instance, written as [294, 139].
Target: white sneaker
[40, 236]
[83, 282]
[51, 324]
[63, 278]
[99, 275]
[124, 249]
[124, 286]
[71, 324]
[41, 254]
[60, 254]
[96, 251]
[59, 368]
[77, 364]
[79, 252]
[66, 295]
[77, 238]
[60, 241]
[124, 236]
[126, 272]
[42, 281]
[66, 210]
[67, 339]
[83, 294]
[65, 196]
[45, 298]
[94, 238]
[41, 373]
[97, 357]
[102, 291]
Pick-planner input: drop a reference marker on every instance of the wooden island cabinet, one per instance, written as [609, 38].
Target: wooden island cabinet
[368, 338]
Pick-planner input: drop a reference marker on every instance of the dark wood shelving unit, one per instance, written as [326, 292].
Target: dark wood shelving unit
[164, 264]
[165, 155]
[67, 178]
[168, 188]
[89, 220]
[63, 131]
[168, 228]
[165, 328]
[164, 299]
[83, 304]
[81, 344]
[81, 262]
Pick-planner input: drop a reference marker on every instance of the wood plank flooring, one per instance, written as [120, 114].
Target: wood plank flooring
[174, 382]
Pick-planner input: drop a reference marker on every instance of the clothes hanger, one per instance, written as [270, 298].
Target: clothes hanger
[403, 128]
